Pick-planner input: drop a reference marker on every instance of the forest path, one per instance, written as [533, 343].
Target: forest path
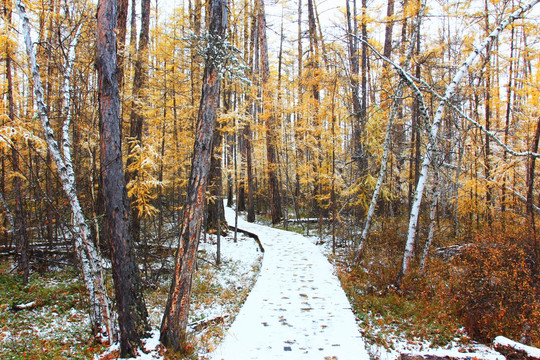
[296, 309]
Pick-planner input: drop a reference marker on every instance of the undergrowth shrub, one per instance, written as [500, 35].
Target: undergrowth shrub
[497, 289]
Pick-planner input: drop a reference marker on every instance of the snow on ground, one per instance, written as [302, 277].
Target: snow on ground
[296, 310]
[239, 264]
[529, 350]
[454, 350]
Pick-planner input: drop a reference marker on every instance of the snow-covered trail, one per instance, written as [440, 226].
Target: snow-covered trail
[297, 308]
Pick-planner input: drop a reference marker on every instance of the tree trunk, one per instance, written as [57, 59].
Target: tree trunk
[215, 211]
[269, 113]
[132, 314]
[432, 215]
[388, 29]
[531, 170]
[20, 235]
[175, 318]
[122, 30]
[136, 116]
[387, 140]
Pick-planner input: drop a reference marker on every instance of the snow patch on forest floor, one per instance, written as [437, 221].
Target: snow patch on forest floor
[217, 293]
[397, 343]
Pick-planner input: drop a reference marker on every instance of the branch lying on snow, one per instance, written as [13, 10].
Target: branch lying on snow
[515, 350]
[201, 324]
[448, 356]
[27, 306]
[251, 235]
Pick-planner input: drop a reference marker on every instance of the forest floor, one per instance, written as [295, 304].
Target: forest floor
[290, 306]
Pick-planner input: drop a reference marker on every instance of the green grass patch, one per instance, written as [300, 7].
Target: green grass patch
[55, 327]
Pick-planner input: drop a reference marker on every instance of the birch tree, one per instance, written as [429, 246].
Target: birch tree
[388, 136]
[101, 319]
[435, 125]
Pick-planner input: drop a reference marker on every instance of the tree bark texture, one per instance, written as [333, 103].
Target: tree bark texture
[271, 138]
[215, 212]
[132, 314]
[175, 318]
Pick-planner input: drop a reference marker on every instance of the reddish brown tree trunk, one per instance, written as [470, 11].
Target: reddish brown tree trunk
[531, 170]
[175, 318]
[132, 314]
[388, 29]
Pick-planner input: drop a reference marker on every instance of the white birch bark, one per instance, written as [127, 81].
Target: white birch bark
[432, 145]
[9, 215]
[100, 314]
[432, 213]
[388, 137]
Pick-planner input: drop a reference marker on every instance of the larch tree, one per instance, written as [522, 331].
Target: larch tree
[389, 129]
[19, 217]
[270, 117]
[132, 313]
[137, 119]
[175, 318]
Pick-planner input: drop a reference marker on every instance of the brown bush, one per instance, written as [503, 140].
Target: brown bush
[497, 292]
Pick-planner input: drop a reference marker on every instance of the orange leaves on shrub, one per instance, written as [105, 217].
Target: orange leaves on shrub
[497, 292]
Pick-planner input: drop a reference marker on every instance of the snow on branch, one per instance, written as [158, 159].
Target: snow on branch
[502, 343]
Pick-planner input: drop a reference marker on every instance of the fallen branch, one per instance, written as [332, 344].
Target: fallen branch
[514, 350]
[450, 356]
[250, 234]
[27, 306]
[201, 324]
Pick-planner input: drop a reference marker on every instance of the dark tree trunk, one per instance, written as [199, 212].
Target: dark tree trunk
[387, 51]
[271, 138]
[215, 212]
[122, 27]
[364, 73]
[175, 318]
[136, 117]
[230, 184]
[19, 231]
[354, 63]
[132, 314]
[315, 94]
[531, 170]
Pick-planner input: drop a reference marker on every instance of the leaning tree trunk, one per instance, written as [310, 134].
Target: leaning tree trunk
[175, 318]
[100, 315]
[387, 140]
[432, 145]
[132, 314]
